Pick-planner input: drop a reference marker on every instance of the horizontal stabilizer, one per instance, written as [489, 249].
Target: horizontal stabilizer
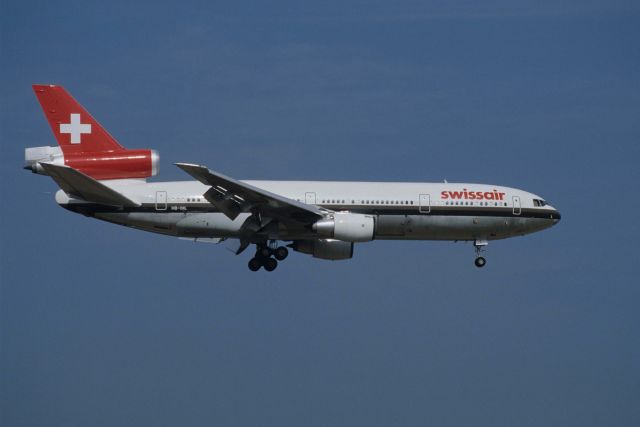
[79, 185]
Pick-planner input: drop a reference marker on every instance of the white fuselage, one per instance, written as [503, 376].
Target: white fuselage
[100, 178]
[402, 211]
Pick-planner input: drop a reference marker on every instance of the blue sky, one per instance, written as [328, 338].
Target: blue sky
[103, 325]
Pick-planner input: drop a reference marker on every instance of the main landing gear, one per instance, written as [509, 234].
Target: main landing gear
[480, 245]
[268, 257]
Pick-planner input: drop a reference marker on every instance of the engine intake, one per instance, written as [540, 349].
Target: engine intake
[347, 227]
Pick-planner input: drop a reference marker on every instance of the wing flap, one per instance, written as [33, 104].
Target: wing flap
[227, 205]
[77, 184]
[232, 197]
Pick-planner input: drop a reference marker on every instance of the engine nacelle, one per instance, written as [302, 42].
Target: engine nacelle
[325, 248]
[347, 227]
[117, 164]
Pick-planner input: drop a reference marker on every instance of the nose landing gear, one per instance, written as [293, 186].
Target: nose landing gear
[268, 256]
[479, 246]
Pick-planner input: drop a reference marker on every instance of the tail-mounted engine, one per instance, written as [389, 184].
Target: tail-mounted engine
[117, 164]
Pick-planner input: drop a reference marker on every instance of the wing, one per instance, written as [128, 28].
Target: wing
[77, 184]
[232, 197]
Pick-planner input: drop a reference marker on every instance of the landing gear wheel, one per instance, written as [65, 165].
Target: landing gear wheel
[281, 253]
[255, 264]
[270, 264]
[264, 252]
[480, 262]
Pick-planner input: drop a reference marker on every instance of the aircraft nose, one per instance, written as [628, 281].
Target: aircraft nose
[556, 216]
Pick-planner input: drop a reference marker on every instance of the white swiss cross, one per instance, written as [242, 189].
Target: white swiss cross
[75, 128]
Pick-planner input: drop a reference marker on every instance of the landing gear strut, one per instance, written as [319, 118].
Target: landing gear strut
[267, 256]
[480, 245]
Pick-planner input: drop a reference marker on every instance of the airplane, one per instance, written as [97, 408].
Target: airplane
[100, 178]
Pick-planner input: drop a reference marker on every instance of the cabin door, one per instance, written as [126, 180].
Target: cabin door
[517, 209]
[310, 198]
[161, 200]
[425, 203]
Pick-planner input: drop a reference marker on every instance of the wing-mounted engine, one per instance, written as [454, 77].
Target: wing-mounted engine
[324, 248]
[347, 227]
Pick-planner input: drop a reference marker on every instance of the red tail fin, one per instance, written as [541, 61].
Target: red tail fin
[73, 127]
[86, 145]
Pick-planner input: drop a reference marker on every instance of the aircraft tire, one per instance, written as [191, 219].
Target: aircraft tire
[281, 253]
[270, 264]
[264, 252]
[255, 264]
[480, 262]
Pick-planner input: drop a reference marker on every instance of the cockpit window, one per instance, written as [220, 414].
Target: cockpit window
[539, 202]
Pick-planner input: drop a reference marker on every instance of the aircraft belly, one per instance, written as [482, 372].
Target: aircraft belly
[210, 224]
[439, 227]
[391, 226]
[388, 227]
[164, 223]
